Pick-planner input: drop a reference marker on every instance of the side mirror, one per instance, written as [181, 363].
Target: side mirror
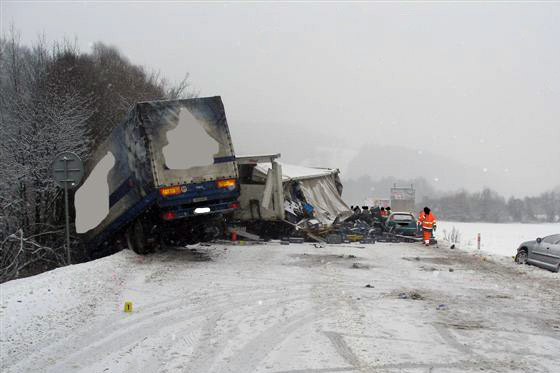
[539, 240]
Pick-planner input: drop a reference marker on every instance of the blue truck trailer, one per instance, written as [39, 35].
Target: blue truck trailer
[166, 174]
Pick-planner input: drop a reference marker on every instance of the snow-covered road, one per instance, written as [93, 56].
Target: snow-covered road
[274, 308]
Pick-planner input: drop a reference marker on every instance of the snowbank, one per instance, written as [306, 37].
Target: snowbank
[497, 239]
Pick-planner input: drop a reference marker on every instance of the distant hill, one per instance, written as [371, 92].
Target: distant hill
[406, 164]
[313, 147]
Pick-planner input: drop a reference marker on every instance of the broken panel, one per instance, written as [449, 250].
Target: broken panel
[92, 199]
[190, 143]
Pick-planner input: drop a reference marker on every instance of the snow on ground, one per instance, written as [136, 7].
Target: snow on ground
[497, 239]
[284, 309]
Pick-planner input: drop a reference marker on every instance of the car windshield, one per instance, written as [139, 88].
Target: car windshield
[402, 217]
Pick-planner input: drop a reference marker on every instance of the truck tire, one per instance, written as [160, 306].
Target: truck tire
[136, 239]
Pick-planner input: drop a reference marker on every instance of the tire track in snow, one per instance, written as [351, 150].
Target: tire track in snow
[343, 349]
[126, 331]
[252, 353]
[211, 343]
[121, 338]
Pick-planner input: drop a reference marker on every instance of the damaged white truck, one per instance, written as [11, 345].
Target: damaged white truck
[278, 200]
[167, 173]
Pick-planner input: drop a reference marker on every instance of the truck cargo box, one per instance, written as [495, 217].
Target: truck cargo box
[174, 158]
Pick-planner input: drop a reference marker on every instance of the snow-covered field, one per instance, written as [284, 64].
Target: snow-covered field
[284, 309]
[497, 239]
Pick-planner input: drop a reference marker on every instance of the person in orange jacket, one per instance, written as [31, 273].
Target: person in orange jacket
[382, 212]
[427, 220]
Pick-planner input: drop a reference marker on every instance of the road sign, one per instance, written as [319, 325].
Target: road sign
[67, 170]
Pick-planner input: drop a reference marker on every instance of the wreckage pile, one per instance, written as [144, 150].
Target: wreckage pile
[313, 209]
[365, 227]
[297, 204]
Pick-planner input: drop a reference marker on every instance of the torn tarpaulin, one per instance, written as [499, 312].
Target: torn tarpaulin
[319, 188]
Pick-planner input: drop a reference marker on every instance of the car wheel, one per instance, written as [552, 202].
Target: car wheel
[521, 257]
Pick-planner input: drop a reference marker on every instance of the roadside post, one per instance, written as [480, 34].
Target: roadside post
[478, 241]
[67, 172]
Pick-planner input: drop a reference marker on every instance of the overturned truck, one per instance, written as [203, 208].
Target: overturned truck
[167, 174]
[278, 199]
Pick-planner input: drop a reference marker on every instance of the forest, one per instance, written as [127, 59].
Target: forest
[55, 98]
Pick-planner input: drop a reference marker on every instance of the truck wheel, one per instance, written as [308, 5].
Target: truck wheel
[136, 239]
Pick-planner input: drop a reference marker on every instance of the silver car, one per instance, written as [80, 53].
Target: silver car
[542, 252]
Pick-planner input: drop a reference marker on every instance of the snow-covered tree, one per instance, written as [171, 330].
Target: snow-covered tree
[36, 123]
[52, 99]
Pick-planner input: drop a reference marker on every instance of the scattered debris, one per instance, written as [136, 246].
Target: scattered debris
[334, 238]
[428, 269]
[465, 326]
[432, 259]
[411, 295]
[236, 243]
[499, 296]
[451, 270]
[360, 266]
[442, 307]
[369, 286]
[242, 231]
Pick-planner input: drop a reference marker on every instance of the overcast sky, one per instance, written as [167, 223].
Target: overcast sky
[478, 83]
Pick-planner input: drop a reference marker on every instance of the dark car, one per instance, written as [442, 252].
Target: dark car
[403, 223]
[542, 252]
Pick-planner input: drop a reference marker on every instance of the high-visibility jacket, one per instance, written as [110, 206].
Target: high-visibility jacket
[427, 221]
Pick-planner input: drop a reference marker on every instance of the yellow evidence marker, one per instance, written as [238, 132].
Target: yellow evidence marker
[127, 306]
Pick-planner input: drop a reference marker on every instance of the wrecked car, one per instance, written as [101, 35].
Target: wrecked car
[403, 223]
[167, 173]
